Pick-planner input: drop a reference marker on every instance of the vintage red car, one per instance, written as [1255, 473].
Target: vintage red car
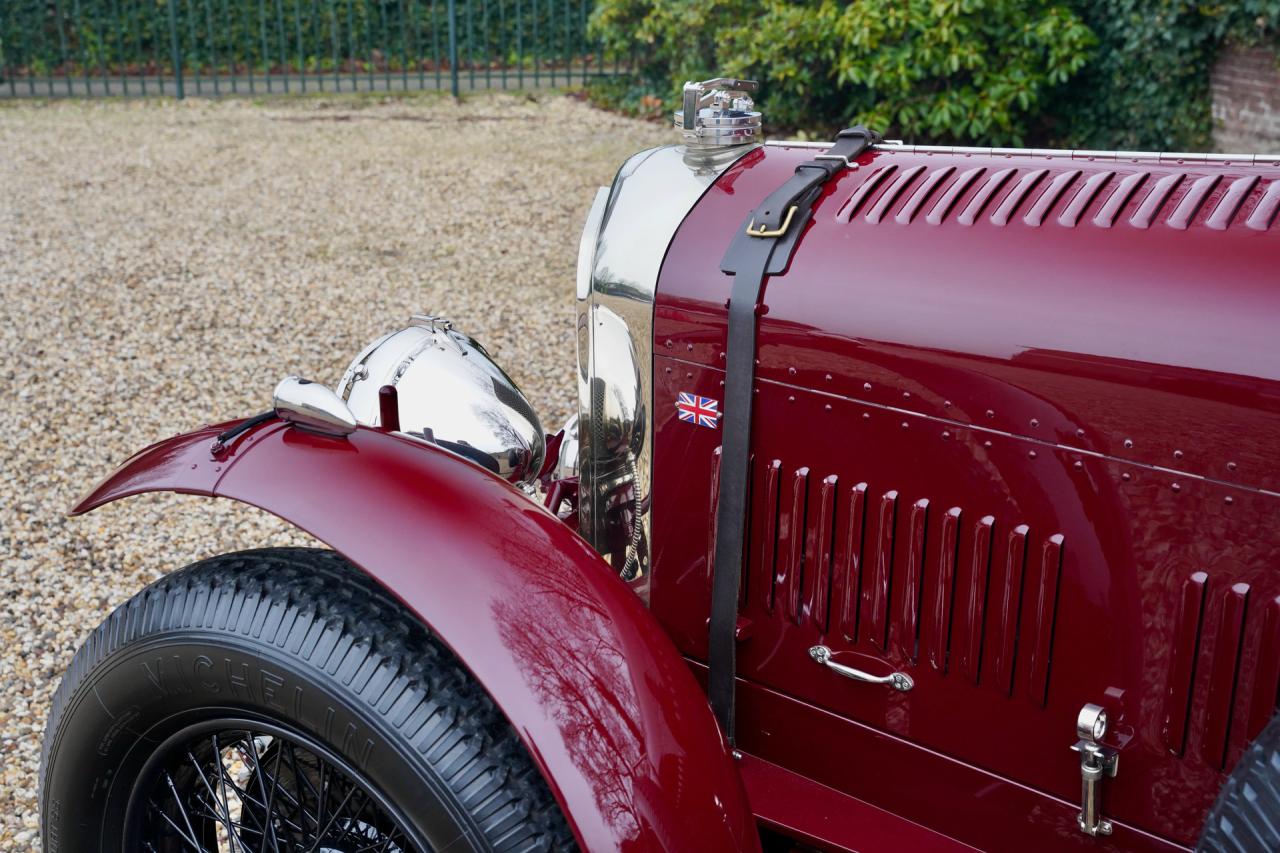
[920, 498]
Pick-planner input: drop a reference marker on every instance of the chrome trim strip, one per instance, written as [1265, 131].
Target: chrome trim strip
[651, 195]
[1058, 153]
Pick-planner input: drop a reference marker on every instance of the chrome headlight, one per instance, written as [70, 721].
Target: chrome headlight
[450, 392]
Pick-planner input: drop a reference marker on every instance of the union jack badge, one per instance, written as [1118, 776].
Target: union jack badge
[702, 411]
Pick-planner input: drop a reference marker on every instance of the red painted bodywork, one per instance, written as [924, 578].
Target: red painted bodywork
[606, 705]
[1017, 433]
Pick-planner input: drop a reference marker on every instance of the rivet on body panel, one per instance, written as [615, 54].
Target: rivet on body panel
[991, 413]
[828, 377]
[1126, 476]
[1177, 487]
[1078, 465]
[791, 371]
[1177, 454]
[866, 386]
[986, 443]
[1035, 423]
[1231, 466]
[946, 404]
[1031, 454]
[905, 425]
[1128, 444]
[946, 434]
[906, 395]
[1228, 500]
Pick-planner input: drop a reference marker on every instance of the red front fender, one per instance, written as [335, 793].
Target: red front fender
[597, 691]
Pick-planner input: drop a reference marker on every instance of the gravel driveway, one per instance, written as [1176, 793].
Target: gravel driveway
[163, 264]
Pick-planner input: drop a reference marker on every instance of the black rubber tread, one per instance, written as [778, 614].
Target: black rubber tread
[338, 624]
[1246, 816]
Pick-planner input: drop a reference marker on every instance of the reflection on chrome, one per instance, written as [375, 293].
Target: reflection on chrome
[312, 406]
[450, 392]
[567, 462]
[618, 277]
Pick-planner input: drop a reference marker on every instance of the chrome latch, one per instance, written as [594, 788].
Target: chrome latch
[1096, 762]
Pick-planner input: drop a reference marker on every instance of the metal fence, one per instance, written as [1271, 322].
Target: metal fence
[52, 48]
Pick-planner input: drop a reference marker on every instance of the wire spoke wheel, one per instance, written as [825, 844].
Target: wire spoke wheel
[280, 700]
[227, 786]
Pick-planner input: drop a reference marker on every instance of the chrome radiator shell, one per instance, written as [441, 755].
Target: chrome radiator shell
[618, 269]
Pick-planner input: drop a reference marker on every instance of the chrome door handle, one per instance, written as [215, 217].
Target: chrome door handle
[897, 680]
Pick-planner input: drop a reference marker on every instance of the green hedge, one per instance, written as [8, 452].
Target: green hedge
[1147, 85]
[44, 37]
[1097, 73]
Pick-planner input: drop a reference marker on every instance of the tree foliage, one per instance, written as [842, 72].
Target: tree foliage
[1088, 73]
[955, 70]
[1147, 87]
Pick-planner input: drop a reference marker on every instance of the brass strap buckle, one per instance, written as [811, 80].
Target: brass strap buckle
[763, 230]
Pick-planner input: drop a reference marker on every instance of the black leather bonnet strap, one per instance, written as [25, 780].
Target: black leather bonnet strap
[762, 247]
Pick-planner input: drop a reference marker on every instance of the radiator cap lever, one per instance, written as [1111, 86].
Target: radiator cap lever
[718, 112]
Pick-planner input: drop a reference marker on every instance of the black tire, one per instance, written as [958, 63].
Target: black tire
[287, 652]
[1246, 816]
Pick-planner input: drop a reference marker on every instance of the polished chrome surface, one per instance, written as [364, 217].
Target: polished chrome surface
[1096, 763]
[1091, 723]
[1055, 153]
[450, 392]
[567, 462]
[312, 406]
[646, 204]
[587, 242]
[718, 112]
[897, 680]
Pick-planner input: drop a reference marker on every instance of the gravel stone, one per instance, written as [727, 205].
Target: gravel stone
[163, 264]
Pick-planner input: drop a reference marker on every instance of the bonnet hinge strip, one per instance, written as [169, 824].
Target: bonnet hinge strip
[762, 247]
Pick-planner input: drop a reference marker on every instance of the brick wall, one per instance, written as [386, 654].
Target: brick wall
[1246, 101]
